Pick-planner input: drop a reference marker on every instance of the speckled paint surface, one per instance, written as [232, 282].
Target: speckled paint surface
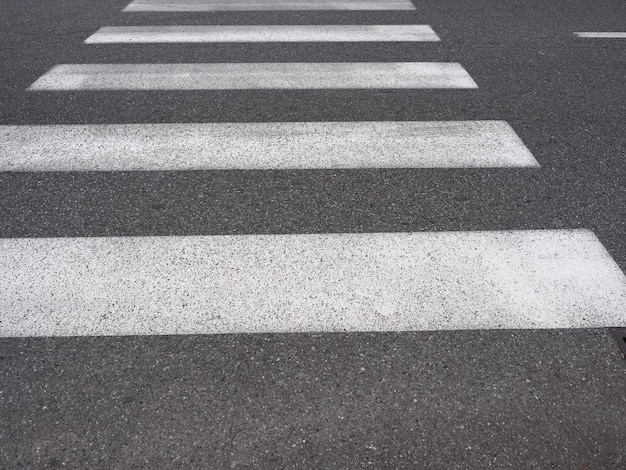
[250, 146]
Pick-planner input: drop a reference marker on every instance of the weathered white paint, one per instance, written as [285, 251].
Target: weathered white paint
[249, 146]
[262, 33]
[602, 35]
[263, 5]
[308, 283]
[238, 76]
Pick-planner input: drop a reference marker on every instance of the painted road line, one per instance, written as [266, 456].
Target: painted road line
[237, 76]
[259, 5]
[252, 146]
[602, 35]
[308, 283]
[269, 33]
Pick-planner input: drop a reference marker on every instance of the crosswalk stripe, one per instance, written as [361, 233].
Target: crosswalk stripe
[264, 5]
[602, 35]
[297, 145]
[308, 283]
[265, 33]
[237, 76]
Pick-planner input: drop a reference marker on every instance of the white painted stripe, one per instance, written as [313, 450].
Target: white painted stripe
[269, 33]
[259, 5]
[602, 35]
[235, 76]
[308, 283]
[297, 145]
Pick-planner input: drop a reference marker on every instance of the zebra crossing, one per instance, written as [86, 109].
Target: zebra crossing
[249, 146]
[252, 76]
[272, 5]
[309, 283]
[601, 34]
[265, 33]
[263, 283]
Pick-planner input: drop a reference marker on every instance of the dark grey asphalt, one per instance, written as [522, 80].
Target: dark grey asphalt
[411, 400]
[501, 399]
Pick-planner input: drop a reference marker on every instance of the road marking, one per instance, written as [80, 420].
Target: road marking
[258, 5]
[308, 283]
[248, 146]
[602, 35]
[266, 33]
[246, 76]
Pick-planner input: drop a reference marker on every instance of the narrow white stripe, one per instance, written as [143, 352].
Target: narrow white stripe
[229, 76]
[258, 5]
[269, 33]
[301, 145]
[310, 283]
[605, 35]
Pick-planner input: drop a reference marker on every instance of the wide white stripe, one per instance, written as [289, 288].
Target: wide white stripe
[312, 283]
[302, 145]
[257, 5]
[266, 33]
[235, 76]
[602, 35]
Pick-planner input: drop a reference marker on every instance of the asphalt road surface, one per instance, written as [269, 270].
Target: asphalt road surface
[312, 234]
